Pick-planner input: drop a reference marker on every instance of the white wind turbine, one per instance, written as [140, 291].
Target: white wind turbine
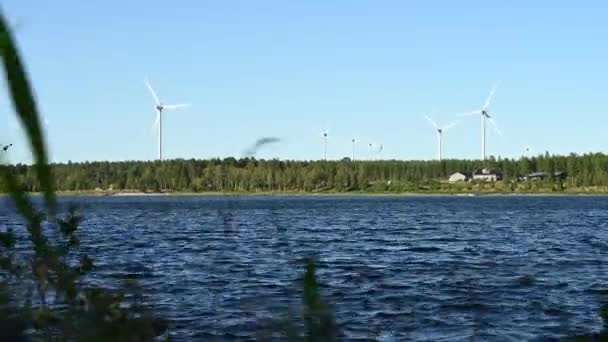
[440, 131]
[14, 25]
[378, 149]
[325, 135]
[485, 116]
[16, 135]
[528, 151]
[160, 107]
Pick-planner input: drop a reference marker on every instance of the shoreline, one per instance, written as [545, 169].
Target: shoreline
[317, 194]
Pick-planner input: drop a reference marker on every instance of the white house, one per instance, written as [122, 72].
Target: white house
[459, 177]
[487, 175]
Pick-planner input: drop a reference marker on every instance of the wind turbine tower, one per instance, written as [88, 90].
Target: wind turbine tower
[485, 116]
[160, 108]
[439, 131]
[380, 151]
[325, 133]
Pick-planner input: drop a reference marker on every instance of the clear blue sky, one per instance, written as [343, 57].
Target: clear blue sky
[368, 69]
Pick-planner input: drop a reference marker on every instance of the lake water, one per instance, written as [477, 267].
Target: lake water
[416, 268]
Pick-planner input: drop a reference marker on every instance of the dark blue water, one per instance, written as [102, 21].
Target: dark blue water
[426, 269]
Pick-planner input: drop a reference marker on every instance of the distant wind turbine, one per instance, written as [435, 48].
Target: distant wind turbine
[528, 151]
[485, 116]
[353, 141]
[440, 131]
[160, 107]
[325, 135]
[16, 133]
[378, 150]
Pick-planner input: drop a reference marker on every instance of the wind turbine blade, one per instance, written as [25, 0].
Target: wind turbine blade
[495, 126]
[450, 125]
[155, 125]
[431, 121]
[327, 128]
[156, 99]
[487, 104]
[475, 112]
[176, 106]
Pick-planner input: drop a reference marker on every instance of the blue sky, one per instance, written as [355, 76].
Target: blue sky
[368, 69]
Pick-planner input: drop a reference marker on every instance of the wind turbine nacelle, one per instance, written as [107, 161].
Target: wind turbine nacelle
[159, 107]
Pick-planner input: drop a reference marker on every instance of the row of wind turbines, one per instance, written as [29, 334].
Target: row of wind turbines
[484, 112]
[440, 130]
[158, 125]
[373, 148]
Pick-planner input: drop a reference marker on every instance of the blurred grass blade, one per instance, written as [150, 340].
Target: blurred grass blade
[25, 106]
[21, 200]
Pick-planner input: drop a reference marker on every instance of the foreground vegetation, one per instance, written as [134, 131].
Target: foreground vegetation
[42, 293]
[586, 174]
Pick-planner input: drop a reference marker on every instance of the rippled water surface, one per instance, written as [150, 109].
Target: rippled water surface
[416, 268]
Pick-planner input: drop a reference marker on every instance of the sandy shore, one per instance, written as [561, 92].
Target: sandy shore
[126, 194]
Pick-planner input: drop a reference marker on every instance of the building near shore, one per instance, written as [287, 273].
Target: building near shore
[541, 176]
[487, 175]
[458, 177]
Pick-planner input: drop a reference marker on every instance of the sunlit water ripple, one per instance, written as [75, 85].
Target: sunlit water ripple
[420, 268]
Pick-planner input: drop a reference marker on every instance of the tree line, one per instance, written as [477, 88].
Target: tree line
[251, 175]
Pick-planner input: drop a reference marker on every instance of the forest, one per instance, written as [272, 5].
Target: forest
[585, 173]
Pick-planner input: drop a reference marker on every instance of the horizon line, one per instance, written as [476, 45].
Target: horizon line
[346, 158]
